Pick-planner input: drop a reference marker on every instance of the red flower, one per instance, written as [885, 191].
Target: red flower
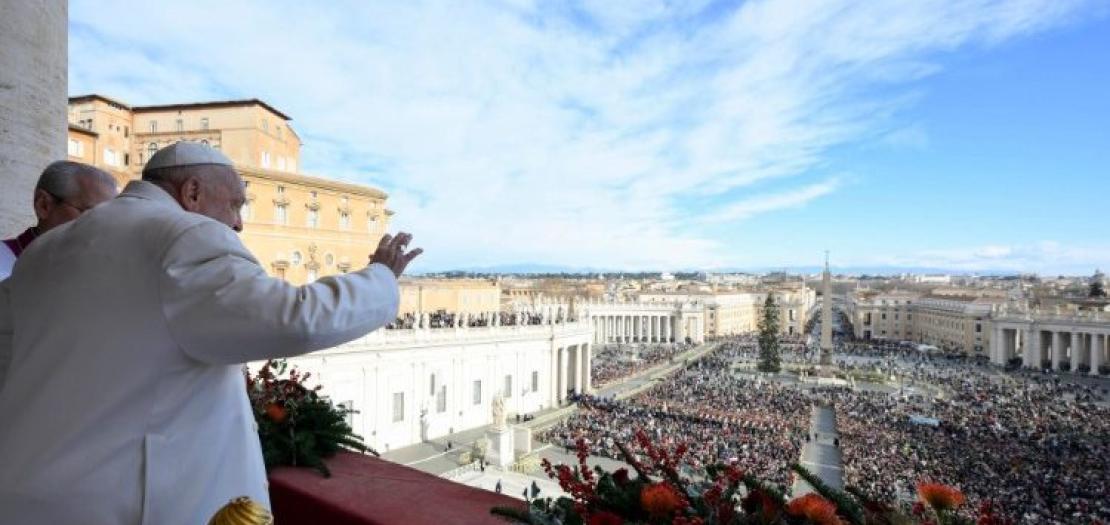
[605, 518]
[940, 496]
[660, 499]
[275, 412]
[814, 508]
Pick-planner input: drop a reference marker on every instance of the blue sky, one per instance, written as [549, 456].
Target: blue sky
[660, 135]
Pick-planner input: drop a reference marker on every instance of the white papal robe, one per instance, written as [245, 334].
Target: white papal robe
[122, 335]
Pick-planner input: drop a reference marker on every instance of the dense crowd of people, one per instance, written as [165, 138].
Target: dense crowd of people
[445, 319]
[615, 362]
[1034, 444]
[721, 417]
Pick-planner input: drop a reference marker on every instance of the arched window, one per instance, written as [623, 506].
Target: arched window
[151, 149]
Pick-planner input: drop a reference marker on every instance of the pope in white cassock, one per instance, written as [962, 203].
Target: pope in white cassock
[122, 338]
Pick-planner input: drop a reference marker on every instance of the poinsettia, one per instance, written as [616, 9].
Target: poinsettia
[297, 426]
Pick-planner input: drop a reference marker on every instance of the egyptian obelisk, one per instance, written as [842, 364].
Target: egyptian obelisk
[826, 315]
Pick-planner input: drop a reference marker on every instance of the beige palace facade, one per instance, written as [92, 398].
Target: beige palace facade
[299, 227]
[463, 296]
[945, 318]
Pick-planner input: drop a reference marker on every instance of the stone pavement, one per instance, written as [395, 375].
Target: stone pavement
[821, 455]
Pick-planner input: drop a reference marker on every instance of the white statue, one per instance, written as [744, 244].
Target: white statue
[498, 406]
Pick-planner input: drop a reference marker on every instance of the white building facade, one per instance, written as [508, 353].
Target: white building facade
[1063, 340]
[408, 386]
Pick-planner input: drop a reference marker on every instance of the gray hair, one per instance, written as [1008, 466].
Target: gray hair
[60, 178]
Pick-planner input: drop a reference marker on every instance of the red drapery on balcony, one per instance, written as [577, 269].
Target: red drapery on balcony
[366, 490]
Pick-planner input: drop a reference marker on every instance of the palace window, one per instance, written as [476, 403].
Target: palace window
[180, 125]
[478, 392]
[344, 220]
[296, 257]
[398, 407]
[265, 159]
[281, 190]
[204, 123]
[151, 149]
[154, 126]
[280, 216]
[313, 218]
[76, 148]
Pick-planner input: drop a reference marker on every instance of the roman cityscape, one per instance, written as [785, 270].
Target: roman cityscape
[694, 263]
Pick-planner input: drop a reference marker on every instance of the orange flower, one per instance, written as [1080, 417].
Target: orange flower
[940, 496]
[276, 412]
[814, 508]
[660, 499]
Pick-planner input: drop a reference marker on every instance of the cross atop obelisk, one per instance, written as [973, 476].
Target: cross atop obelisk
[826, 314]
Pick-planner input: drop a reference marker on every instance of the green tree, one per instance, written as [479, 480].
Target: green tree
[769, 358]
[1096, 290]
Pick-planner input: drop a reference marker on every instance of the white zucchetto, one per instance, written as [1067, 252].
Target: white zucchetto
[186, 154]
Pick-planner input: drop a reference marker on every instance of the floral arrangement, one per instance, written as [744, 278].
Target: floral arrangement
[297, 426]
[725, 495]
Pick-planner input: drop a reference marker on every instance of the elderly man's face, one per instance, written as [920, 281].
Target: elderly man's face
[56, 210]
[221, 197]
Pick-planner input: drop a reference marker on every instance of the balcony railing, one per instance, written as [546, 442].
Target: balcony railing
[364, 490]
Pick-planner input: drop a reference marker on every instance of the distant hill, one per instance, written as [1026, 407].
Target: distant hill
[539, 268]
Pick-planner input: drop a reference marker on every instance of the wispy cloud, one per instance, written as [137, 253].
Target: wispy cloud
[531, 131]
[1043, 256]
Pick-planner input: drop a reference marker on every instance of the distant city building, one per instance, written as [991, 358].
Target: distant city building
[299, 227]
[947, 318]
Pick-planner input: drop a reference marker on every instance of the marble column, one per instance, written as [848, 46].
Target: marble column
[562, 392]
[553, 375]
[1076, 350]
[1029, 335]
[33, 104]
[577, 369]
[997, 355]
[1098, 347]
[584, 373]
[1057, 349]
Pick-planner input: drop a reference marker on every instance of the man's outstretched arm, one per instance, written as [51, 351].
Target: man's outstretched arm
[221, 307]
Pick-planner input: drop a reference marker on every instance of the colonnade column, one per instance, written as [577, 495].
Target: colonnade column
[553, 375]
[562, 392]
[1076, 350]
[1098, 347]
[577, 369]
[584, 373]
[1032, 346]
[1057, 349]
[997, 354]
